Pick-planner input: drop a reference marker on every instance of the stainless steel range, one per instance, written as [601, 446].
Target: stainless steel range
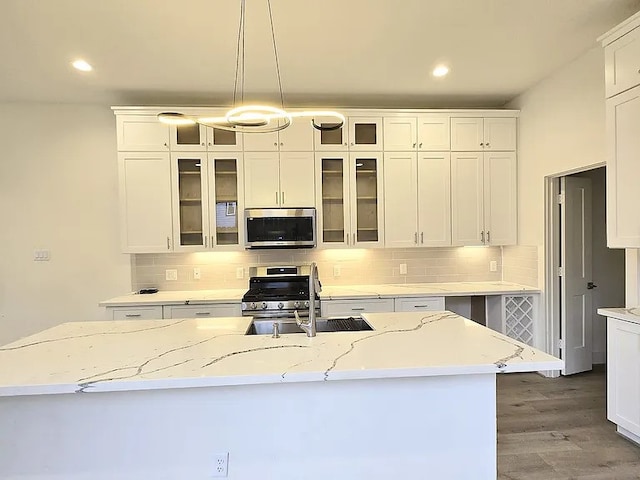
[276, 292]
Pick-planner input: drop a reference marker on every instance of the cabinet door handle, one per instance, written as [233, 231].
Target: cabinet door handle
[275, 144]
[354, 238]
[482, 144]
[487, 145]
[276, 198]
[414, 144]
[202, 144]
[205, 241]
[488, 236]
[415, 238]
[482, 236]
[168, 244]
[282, 144]
[352, 144]
[282, 198]
[357, 309]
[421, 237]
[420, 145]
[421, 306]
[132, 315]
[211, 241]
[347, 239]
[203, 313]
[166, 146]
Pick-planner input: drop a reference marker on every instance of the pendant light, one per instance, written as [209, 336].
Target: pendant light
[256, 118]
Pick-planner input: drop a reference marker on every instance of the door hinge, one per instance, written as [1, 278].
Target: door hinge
[560, 271]
[561, 198]
[561, 344]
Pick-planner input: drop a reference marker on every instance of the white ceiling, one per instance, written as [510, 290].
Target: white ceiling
[332, 52]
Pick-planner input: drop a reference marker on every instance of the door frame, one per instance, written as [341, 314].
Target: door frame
[551, 296]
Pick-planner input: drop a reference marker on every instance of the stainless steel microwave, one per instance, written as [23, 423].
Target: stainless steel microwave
[280, 227]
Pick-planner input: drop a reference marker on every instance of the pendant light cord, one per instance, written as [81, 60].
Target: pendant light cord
[275, 54]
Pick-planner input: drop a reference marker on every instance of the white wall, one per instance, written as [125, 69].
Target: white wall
[561, 128]
[58, 191]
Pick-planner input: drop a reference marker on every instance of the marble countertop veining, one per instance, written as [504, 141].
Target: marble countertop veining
[329, 292]
[631, 314]
[84, 357]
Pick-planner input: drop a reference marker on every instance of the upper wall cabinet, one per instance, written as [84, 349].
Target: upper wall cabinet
[145, 202]
[473, 134]
[331, 140]
[141, 133]
[365, 133]
[622, 86]
[622, 63]
[424, 133]
[297, 137]
[198, 138]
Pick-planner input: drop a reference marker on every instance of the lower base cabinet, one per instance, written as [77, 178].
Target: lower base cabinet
[623, 376]
[159, 312]
[331, 308]
[152, 312]
[420, 304]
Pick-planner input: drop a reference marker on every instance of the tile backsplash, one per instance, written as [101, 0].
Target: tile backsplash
[520, 264]
[350, 266]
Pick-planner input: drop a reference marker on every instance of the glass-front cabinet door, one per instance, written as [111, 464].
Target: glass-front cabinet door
[333, 221]
[226, 210]
[223, 140]
[366, 192]
[190, 201]
[188, 138]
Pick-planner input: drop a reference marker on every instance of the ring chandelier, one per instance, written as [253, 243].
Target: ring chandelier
[256, 118]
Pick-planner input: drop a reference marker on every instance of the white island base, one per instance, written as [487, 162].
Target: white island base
[158, 400]
[440, 427]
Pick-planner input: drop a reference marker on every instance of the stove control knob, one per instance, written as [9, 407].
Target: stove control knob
[280, 305]
[306, 304]
[296, 304]
[253, 306]
[264, 305]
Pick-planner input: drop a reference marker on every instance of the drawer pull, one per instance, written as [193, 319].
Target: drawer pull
[203, 313]
[421, 306]
[130, 315]
[357, 308]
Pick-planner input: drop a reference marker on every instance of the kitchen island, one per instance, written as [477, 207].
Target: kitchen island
[162, 399]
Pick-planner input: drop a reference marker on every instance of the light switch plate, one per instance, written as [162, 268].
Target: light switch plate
[41, 255]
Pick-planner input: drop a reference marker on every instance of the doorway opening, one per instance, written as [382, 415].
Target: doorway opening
[581, 273]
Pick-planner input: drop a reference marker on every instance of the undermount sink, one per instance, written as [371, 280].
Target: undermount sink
[329, 324]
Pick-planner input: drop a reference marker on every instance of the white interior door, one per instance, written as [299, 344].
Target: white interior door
[576, 298]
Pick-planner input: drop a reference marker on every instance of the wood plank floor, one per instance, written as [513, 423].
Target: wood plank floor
[557, 429]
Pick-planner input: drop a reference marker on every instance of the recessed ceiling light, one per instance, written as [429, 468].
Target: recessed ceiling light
[440, 71]
[82, 65]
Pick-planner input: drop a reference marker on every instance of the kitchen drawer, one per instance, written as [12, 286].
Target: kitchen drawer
[152, 312]
[203, 311]
[622, 63]
[331, 308]
[419, 304]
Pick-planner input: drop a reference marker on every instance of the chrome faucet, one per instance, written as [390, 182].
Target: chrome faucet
[309, 325]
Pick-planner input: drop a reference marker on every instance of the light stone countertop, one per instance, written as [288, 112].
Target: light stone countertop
[629, 314]
[85, 357]
[329, 292]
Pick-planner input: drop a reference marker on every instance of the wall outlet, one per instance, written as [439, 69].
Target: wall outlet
[240, 272]
[493, 266]
[196, 273]
[220, 464]
[337, 271]
[171, 274]
[403, 269]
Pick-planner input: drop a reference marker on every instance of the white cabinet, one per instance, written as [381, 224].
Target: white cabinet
[404, 304]
[483, 198]
[355, 307]
[331, 140]
[472, 134]
[622, 63]
[417, 201]
[297, 137]
[279, 179]
[349, 196]
[141, 133]
[145, 202]
[206, 199]
[198, 138]
[623, 376]
[203, 311]
[365, 133]
[424, 133]
[151, 312]
[623, 167]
